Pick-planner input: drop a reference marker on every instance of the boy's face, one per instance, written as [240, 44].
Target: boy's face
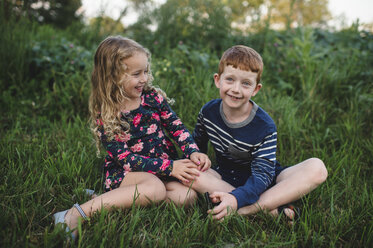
[236, 87]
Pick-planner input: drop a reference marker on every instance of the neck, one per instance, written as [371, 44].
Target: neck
[131, 104]
[237, 115]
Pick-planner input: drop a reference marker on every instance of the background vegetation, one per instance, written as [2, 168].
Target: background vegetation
[317, 87]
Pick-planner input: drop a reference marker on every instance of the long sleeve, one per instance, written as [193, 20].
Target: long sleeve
[176, 128]
[263, 172]
[131, 160]
[200, 135]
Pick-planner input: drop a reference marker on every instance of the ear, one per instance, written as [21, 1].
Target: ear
[257, 88]
[217, 80]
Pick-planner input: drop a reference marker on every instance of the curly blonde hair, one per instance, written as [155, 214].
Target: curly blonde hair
[107, 91]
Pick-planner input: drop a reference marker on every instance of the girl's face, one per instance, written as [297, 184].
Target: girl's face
[137, 75]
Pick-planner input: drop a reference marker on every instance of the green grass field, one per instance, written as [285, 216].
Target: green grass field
[317, 86]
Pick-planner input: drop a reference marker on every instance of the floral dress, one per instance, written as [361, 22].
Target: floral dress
[146, 147]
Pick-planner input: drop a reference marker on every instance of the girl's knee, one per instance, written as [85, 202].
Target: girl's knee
[155, 189]
[190, 197]
[180, 194]
[319, 170]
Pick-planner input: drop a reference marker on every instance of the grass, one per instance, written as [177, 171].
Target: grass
[317, 87]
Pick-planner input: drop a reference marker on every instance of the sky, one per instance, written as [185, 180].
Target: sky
[350, 10]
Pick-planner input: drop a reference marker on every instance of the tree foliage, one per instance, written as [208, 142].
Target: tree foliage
[295, 13]
[106, 25]
[60, 13]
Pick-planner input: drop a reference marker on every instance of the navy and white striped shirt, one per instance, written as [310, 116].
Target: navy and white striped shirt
[245, 152]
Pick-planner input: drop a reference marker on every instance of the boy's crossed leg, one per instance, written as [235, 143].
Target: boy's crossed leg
[291, 184]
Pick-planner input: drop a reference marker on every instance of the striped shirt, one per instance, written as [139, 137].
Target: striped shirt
[245, 152]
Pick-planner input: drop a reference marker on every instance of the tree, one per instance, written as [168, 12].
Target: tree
[293, 13]
[60, 13]
[200, 21]
[106, 25]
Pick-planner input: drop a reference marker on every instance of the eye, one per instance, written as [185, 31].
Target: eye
[229, 79]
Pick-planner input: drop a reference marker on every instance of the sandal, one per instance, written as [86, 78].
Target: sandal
[91, 193]
[59, 218]
[296, 210]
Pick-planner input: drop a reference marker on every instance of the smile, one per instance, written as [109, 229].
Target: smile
[234, 98]
[139, 88]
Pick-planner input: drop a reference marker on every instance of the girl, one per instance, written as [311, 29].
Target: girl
[129, 116]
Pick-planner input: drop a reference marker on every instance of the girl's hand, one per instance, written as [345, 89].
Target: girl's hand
[201, 160]
[184, 170]
[228, 204]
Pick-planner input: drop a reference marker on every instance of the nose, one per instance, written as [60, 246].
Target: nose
[236, 86]
[144, 77]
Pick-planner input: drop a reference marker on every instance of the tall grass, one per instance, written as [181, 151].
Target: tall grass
[317, 88]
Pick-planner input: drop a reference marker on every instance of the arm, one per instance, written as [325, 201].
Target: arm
[119, 151]
[200, 134]
[176, 128]
[262, 170]
[183, 170]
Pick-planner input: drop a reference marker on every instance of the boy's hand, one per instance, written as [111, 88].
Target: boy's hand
[184, 170]
[228, 204]
[201, 160]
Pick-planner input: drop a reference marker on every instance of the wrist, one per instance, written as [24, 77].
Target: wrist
[234, 201]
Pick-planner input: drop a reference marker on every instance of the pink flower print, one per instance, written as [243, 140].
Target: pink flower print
[141, 128]
[164, 142]
[107, 183]
[152, 150]
[127, 168]
[177, 122]
[138, 147]
[183, 136]
[123, 155]
[168, 143]
[151, 172]
[118, 138]
[193, 146]
[182, 148]
[155, 116]
[165, 114]
[159, 99]
[165, 164]
[155, 162]
[107, 174]
[110, 154]
[152, 129]
[126, 137]
[99, 122]
[137, 119]
[177, 133]
[164, 156]
[160, 134]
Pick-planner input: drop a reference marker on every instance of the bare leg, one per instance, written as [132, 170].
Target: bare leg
[291, 184]
[142, 186]
[180, 194]
[210, 181]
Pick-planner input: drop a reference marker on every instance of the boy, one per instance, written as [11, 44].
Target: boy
[244, 136]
